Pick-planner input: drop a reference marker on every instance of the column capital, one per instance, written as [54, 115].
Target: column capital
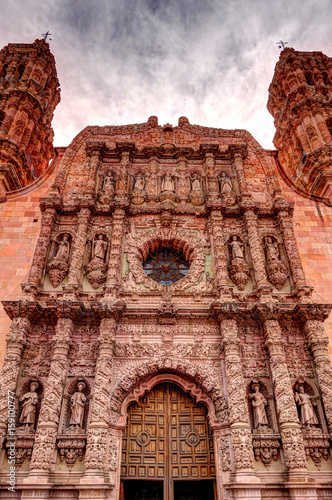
[309, 312]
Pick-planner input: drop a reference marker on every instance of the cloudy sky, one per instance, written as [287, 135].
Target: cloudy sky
[121, 61]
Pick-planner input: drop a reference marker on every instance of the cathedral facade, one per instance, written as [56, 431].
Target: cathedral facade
[166, 342]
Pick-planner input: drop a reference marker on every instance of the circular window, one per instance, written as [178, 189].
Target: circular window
[166, 266]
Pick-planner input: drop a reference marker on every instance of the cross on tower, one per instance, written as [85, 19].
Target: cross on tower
[47, 35]
[281, 44]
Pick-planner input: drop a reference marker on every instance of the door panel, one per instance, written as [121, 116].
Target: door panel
[167, 437]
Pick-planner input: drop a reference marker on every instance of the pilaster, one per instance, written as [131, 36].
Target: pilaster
[16, 340]
[286, 225]
[256, 248]
[221, 275]
[239, 154]
[45, 440]
[98, 427]
[114, 262]
[37, 267]
[291, 435]
[79, 246]
[318, 344]
[237, 403]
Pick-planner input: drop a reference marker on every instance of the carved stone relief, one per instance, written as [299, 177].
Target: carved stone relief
[239, 271]
[276, 270]
[58, 261]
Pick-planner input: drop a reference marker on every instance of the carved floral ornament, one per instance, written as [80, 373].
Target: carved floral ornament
[139, 246]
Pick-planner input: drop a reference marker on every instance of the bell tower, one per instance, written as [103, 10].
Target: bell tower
[29, 94]
[300, 101]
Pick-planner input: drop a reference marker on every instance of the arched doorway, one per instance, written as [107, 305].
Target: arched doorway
[167, 448]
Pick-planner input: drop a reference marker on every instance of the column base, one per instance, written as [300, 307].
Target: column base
[37, 477]
[245, 477]
[93, 477]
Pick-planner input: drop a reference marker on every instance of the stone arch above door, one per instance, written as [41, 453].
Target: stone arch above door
[188, 386]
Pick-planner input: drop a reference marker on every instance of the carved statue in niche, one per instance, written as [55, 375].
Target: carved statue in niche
[226, 189]
[99, 248]
[29, 406]
[258, 402]
[167, 194]
[58, 266]
[276, 270]
[128, 282]
[307, 412]
[96, 270]
[196, 194]
[167, 183]
[77, 406]
[239, 271]
[138, 193]
[106, 194]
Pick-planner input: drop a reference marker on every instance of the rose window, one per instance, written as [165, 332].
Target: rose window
[166, 266]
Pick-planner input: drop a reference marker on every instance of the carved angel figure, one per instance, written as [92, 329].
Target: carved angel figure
[63, 249]
[77, 405]
[167, 183]
[30, 401]
[272, 251]
[225, 184]
[99, 248]
[139, 182]
[258, 402]
[236, 248]
[308, 415]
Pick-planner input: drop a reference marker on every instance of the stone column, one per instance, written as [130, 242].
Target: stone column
[216, 220]
[114, 263]
[286, 225]
[37, 267]
[97, 447]
[79, 246]
[237, 403]
[291, 435]
[239, 154]
[256, 249]
[16, 341]
[47, 427]
[318, 344]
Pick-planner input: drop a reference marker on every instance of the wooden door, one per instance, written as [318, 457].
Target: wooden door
[167, 438]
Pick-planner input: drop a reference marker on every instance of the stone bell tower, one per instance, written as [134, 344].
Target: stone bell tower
[29, 93]
[300, 100]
